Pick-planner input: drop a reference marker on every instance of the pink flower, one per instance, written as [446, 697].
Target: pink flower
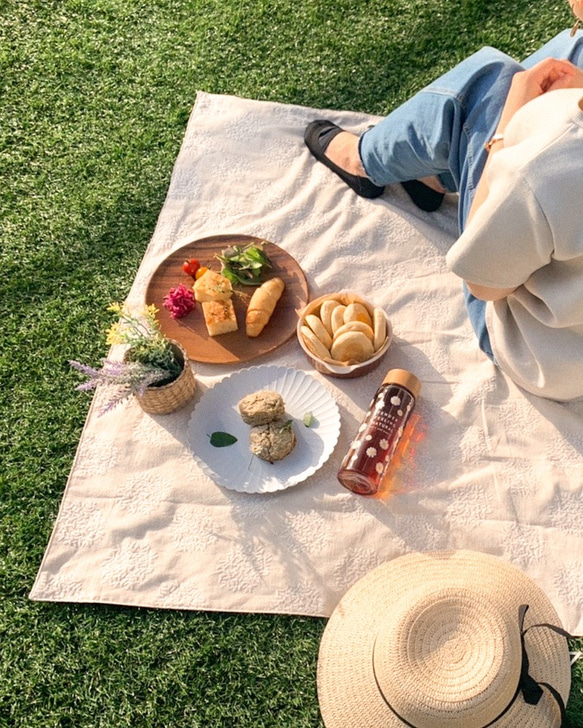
[179, 301]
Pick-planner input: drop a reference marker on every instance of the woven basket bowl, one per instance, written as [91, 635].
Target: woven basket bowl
[327, 367]
[174, 395]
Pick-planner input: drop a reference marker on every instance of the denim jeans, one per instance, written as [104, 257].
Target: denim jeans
[441, 131]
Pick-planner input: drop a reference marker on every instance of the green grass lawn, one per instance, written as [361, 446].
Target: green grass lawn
[95, 99]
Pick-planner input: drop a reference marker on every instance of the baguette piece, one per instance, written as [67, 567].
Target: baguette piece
[212, 286]
[219, 317]
[262, 305]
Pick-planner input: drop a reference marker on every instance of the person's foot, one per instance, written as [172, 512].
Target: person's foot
[328, 142]
[343, 151]
[427, 193]
[338, 150]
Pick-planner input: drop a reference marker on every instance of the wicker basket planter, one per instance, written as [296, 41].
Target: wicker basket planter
[174, 395]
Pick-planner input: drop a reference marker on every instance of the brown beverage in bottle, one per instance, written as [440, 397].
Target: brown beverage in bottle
[372, 450]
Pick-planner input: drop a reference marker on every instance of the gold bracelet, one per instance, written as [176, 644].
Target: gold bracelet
[496, 138]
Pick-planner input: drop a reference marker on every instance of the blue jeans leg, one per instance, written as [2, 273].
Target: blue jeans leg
[442, 129]
[561, 46]
[476, 309]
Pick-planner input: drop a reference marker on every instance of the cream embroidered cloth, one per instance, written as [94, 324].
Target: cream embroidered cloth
[494, 470]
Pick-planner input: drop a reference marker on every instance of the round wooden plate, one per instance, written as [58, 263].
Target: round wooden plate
[191, 331]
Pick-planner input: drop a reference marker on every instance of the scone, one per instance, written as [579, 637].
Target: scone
[212, 286]
[219, 317]
[261, 407]
[272, 441]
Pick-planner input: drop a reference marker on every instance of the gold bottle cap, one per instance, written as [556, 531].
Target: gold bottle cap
[404, 379]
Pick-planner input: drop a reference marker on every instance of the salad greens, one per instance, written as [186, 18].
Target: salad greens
[244, 265]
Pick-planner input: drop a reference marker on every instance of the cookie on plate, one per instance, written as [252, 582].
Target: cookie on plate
[272, 441]
[262, 407]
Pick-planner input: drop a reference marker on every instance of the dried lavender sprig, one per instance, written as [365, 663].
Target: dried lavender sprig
[124, 378]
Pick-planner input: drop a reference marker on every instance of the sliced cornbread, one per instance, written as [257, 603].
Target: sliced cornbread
[219, 317]
[212, 286]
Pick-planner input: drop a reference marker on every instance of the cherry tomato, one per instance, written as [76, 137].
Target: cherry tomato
[200, 272]
[190, 267]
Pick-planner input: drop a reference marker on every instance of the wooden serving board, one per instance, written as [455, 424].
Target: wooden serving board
[191, 331]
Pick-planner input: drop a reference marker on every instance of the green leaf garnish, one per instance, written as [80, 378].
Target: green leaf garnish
[222, 439]
[244, 264]
[286, 426]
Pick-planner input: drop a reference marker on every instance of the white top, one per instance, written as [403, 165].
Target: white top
[528, 233]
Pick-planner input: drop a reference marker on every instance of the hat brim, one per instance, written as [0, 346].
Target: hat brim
[347, 690]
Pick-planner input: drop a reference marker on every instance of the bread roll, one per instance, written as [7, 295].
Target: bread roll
[352, 346]
[357, 312]
[355, 326]
[337, 317]
[262, 305]
[326, 313]
[380, 329]
[319, 329]
[313, 343]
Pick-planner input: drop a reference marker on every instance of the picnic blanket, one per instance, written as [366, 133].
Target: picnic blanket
[493, 469]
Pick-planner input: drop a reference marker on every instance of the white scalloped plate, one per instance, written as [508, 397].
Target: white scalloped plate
[235, 467]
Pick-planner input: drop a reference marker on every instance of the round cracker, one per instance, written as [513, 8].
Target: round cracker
[380, 328]
[313, 343]
[355, 326]
[319, 329]
[326, 313]
[352, 346]
[337, 318]
[357, 312]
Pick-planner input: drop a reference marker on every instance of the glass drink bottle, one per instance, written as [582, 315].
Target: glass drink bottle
[372, 450]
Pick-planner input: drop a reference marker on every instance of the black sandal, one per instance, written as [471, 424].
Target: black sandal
[318, 136]
[423, 196]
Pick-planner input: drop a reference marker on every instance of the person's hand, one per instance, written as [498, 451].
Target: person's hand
[548, 75]
[576, 80]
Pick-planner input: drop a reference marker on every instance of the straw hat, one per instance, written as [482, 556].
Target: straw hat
[435, 640]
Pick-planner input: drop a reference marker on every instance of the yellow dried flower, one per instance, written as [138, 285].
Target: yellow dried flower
[114, 335]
